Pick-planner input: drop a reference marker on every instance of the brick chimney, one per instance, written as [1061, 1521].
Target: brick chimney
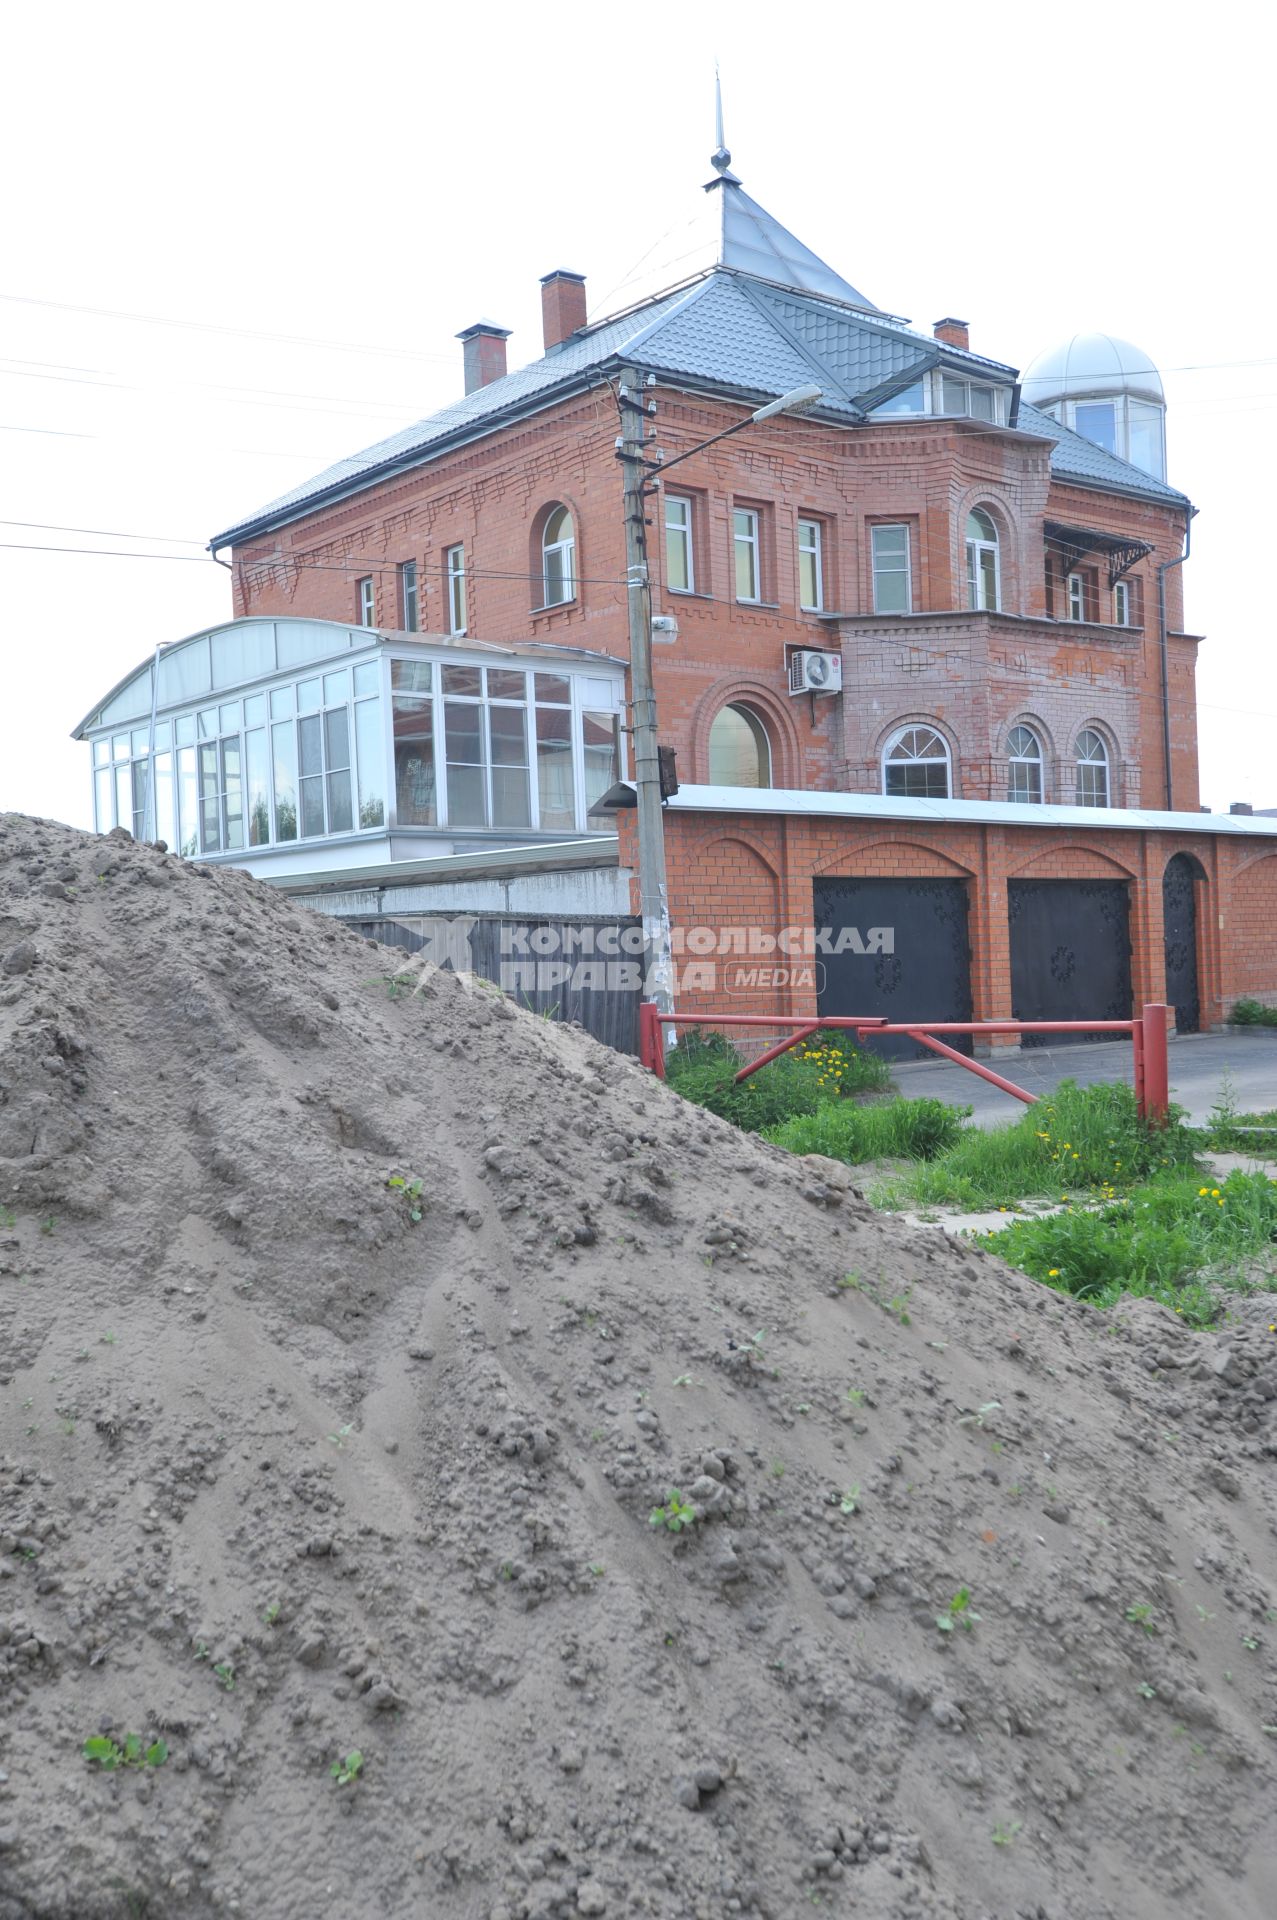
[562, 306]
[484, 348]
[953, 333]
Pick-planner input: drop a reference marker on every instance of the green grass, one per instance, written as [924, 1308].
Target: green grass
[893, 1129]
[703, 1067]
[1080, 1140]
[1174, 1239]
[1252, 1013]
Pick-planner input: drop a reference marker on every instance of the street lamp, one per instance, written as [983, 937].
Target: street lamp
[658, 960]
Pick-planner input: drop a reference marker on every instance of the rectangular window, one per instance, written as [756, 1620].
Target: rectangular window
[257, 767]
[210, 799]
[368, 749]
[365, 602]
[556, 785]
[187, 804]
[414, 731]
[1122, 604]
[602, 759]
[463, 737]
[912, 400]
[811, 571]
[890, 548]
[508, 736]
[968, 397]
[408, 596]
[310, 753]
[680, 575]
[337, 769]
[284, 754]
[1077, 597]
[455, 587]
[745, 539]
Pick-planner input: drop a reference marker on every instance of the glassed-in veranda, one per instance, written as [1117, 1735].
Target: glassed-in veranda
[267, 736]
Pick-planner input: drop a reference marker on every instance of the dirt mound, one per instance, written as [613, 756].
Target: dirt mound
[973, 1617]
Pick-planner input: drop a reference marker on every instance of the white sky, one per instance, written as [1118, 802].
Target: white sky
[380, 177]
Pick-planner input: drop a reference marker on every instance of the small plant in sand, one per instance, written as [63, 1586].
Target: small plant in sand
[1005, 1833]
[1140, 1614]
[676, 1515]
[225, 1673]
[412, 1191]
[108, 1754]
[981, 1414]
[850, 1502]
[959, 1615]
[343, 1771]
[271, 1616]
[342, 1434]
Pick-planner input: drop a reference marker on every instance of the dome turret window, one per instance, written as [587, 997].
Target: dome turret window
[1109, 392]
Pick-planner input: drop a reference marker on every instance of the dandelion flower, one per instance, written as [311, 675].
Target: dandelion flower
[1053, 1273]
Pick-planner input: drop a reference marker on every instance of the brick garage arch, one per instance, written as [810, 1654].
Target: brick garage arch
[776, 718]
[1071, 860]
[886, 857]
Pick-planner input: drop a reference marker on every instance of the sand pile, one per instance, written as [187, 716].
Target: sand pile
[287, 1473]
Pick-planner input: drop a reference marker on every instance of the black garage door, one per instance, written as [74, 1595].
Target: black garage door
[1070, 954]
[904, 953]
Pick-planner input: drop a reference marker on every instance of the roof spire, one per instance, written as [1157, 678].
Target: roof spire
[720, 159]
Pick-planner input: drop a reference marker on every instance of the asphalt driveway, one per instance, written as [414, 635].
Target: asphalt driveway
[1198, 1065]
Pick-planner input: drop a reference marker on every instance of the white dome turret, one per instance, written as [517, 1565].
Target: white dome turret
[1108, 391]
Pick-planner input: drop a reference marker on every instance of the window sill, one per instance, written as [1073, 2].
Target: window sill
[559, 606]
[691, 593]
[758, 606]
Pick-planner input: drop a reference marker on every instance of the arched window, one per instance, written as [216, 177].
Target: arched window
[1024, 766]
[740, 753]
[558, 557]
[915, 764]
[1092, 769]
[983, 584]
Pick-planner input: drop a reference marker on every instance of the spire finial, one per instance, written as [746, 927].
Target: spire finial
[720, 159]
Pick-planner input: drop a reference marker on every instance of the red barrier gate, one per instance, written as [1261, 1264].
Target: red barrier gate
[1147, 1034]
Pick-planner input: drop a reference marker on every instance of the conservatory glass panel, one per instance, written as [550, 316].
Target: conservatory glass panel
[602, 755]
[188, 839]
[311, 762]
[210, 799]
[508, 729]
[414, 723]
[284, 753]
[233, 790]
[337, 764]
[368, 748]
[257, 766]
[556, 784]
[463, 733]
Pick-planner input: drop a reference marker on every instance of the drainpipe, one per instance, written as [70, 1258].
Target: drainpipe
[1162, 571]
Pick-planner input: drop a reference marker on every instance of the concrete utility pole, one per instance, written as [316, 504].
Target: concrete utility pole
[658, 959]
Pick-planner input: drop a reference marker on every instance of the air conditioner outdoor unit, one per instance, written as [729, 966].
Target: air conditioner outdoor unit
[815, 672]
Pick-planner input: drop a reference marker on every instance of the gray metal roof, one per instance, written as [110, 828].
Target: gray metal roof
[1074, 458]
[754, 242]
[768, 318]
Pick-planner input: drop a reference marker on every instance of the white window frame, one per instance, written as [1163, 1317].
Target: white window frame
[454, 561]
[566, 548]
[1036, 760]
[747, 539]
[1090, 759]
[1122, 603]
[758, 733]
[975, 549]
[680, 530]
[944, 377]
[891, 526]
[890, 758]
[815, 548]
[409, 597]
[366, 601]
[1075, 587]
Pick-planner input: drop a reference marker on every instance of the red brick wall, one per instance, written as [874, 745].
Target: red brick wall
[758, 871]
[974, 676]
